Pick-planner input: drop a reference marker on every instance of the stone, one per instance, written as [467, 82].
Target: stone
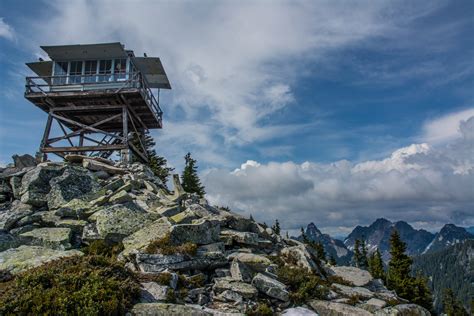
[95, 165]
[245, 290]
[353, 291]
[118, 221]
[185, 217]
[8, 241]
[201, 232]
[240, 271]
[298, 311]
[179, 262]
[229, 296]
[301, 256]
[246, 238]
[220, 273]
[373, 305]
[48, 237]
[24, 161]
[15, 183]
[10, 216]
[35, 183]
[76, 208]
[245, 265]
[178, 189]
[75, 158]
[153, 292]
[120, 197]
[167, 210]
[165, 309]
[73, 183]
[336, 309]
[90, 233]
[214, 247]
[270, 287]
[354, 275]
[16, 260]
[143, 237]
[114, 185]
[403, 310]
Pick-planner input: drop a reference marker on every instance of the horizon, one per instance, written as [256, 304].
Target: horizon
[304, 112]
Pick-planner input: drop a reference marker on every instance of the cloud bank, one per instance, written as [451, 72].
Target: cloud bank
[424, 184]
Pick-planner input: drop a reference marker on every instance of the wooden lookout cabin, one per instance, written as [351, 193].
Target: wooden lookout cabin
[101, 96]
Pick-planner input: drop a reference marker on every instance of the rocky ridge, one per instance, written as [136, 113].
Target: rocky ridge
[229, 263]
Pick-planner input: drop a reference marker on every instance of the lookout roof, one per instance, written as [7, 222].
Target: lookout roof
[150, 67]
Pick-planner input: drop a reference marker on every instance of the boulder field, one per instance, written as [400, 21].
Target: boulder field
[51, 210]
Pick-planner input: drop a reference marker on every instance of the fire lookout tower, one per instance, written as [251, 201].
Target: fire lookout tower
[101, 97]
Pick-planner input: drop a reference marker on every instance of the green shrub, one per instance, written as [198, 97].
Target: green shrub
[88, 285]
[101, 248]
[303, 284]
[166, 247]
[261, 309]
[353, 300]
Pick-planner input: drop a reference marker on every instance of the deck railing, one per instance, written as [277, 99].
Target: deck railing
[117, 82]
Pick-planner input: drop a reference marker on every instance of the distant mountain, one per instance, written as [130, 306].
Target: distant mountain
[333, 247]
[377, 236]
[470, 229]
[448, 235]
[450, 267]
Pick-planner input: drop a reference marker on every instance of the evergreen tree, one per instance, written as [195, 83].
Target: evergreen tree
[332, 261]
[399, 279]
[363, 264]
[320, 250]
[190, 179]
[357, 255]
[451, 306]
[251, 218]
[304, 237]
[157, 164]
[376, 265]
[276, 227]
[287, 235]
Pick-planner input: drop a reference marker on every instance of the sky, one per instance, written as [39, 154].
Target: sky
[332, 112]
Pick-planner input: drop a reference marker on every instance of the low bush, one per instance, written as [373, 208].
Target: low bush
[87, 285]
[337, 279]
[261, 309]
[166, 247]
[303, 284]
[102, 248]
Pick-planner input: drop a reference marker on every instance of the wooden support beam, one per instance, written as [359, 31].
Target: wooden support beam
[79, 131]
[83, 148]
[96, 130]
[47, 130]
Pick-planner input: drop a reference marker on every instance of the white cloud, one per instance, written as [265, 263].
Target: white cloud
[445, 128]
[231, 63]
[418, 183]
[6, 30]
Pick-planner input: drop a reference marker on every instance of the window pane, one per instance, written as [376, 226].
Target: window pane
[60, 69]
[105, 69]
[75, 72]
[120, 68]
[90, 69]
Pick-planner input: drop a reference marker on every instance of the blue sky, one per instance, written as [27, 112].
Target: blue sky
[285, 93]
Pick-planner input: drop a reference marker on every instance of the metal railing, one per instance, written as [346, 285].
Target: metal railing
[117, 82]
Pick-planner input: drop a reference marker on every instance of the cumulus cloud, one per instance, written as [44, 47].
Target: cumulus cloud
[421, 183]
[445, 128]
[6, 31]
[231, 64]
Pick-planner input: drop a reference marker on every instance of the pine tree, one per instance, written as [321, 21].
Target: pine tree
[332, 261]
[452, 306]
[287, 235]
[304, 237]
[376, 265]
[190, 179]
[320, 250]
[357, 255]
[399, 279]
[157, 164]
[363, 263]
[276, 227]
